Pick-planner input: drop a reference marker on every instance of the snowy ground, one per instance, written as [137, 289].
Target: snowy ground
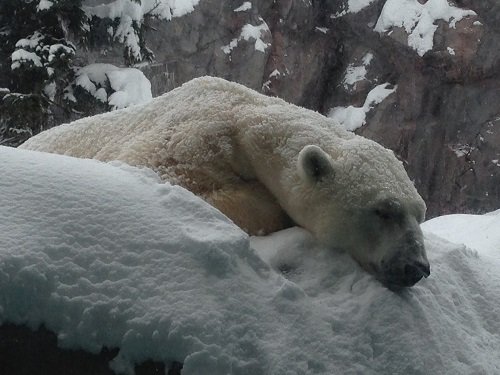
[106, 255]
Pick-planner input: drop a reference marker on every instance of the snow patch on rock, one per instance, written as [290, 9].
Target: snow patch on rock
[419, 20]
[352, 117]
[247, 33]
[247, 5]
[44, 5]
[355, 73]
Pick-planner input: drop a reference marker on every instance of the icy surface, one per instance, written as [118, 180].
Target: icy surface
[130, 86]
[105, 255]
[419, 20]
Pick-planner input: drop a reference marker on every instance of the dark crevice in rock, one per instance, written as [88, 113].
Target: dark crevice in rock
[27, 352]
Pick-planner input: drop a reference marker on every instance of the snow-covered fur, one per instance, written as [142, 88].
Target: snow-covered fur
[266, 164]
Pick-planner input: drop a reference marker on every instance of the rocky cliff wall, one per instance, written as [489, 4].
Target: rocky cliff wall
[443, 116]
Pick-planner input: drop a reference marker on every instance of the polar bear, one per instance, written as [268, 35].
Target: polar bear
[267, 165]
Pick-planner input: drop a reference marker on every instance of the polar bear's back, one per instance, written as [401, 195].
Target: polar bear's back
[106, 136]
[170, 126]
[235, 148]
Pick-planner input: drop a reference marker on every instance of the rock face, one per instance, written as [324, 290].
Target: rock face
[443, 119]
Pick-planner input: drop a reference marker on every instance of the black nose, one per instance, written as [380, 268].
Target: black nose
[414, 272]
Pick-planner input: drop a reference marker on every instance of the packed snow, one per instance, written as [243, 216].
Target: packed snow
[129, 85]
[477, 232]
[106, 255]
[419, 20]
[352, 117]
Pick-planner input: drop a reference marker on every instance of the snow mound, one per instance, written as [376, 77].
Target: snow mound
[105, 255]
[478, 232]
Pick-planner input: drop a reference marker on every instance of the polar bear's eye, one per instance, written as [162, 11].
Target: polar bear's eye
[389, 209]
[384, 215]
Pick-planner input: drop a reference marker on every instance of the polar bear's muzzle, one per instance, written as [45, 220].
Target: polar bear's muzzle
[402, 275]
[408, 264]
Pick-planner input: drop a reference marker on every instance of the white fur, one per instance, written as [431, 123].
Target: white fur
[239, 150]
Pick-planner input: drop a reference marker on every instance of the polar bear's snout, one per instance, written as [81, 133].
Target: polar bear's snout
[405, 274]
[408, 265]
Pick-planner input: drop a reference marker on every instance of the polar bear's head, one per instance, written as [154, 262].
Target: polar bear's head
[358, 197]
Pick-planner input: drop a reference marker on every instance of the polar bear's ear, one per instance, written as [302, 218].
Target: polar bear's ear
[314, 164]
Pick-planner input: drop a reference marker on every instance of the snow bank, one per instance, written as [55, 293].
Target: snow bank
[419, 20]
[130, 86]
[478, 232]
[106, 255]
